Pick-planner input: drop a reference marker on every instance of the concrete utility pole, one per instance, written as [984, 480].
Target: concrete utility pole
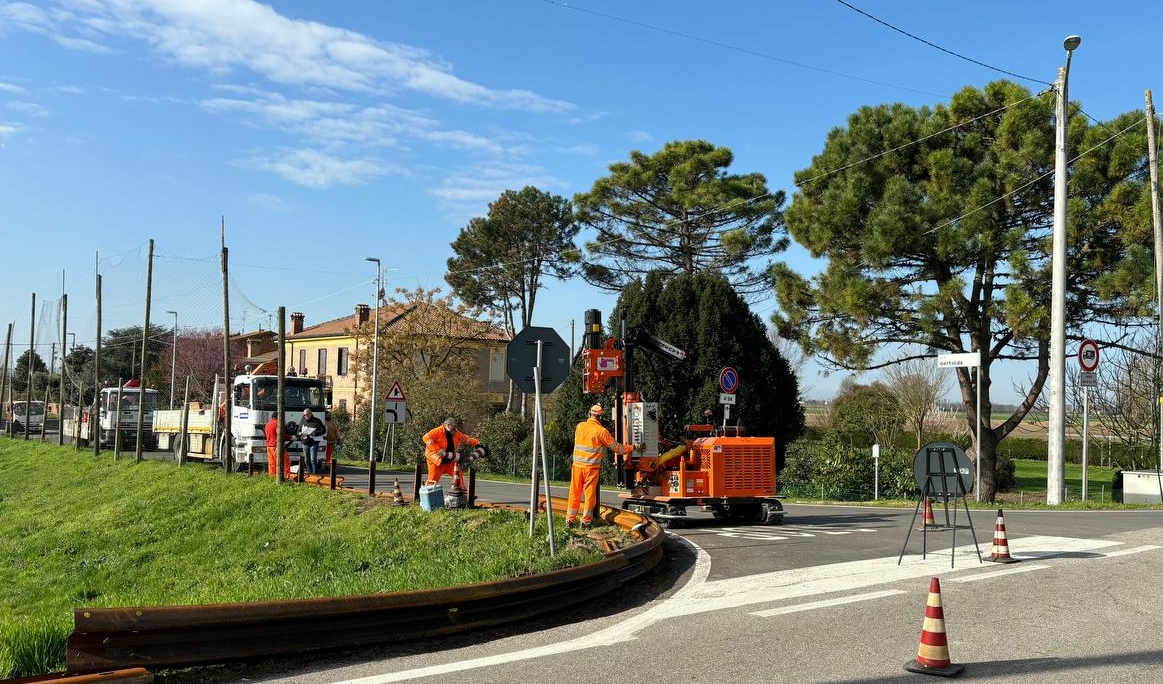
[64, 356]
[1056, 440]
[372, 405]
[31, 353]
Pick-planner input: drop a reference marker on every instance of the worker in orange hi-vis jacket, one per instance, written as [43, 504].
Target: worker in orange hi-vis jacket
[273, 431]
[442, 449]
[590, 441]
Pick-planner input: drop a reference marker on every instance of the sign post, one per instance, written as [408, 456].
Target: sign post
[1088, 357]
[728, 382]
[537, 361]
[969, 360]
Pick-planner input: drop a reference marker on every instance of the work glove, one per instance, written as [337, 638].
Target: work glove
[479, 452]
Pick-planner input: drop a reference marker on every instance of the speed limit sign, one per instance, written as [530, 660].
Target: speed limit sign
[1088, 356]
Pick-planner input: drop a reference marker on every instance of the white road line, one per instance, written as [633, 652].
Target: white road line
[799, 607]
[998, 573]
[1124, 552]
[700, 596]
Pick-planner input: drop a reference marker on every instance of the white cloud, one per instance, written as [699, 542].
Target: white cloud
[267, 201]
[640, 137]
[226, 35]
[29, 108]
[316, 169]
[11, 88]
[7, 130]
[483, 184]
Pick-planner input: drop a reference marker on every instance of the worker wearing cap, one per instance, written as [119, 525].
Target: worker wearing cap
[442, 449]
[590, 441]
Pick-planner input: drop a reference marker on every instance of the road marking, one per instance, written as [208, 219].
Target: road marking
[998, 573]
[784, 532]
[1124, 552]
[700, 596]
[799, 607]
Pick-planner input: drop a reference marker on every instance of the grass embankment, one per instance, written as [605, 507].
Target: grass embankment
[76, 531]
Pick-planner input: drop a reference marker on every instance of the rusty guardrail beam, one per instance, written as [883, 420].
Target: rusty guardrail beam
[182, 636]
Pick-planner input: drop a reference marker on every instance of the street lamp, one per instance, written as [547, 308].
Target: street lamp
[1056, 440]
[371, 447]
[173, 359]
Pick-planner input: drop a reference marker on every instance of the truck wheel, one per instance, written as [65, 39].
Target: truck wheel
[771, 513]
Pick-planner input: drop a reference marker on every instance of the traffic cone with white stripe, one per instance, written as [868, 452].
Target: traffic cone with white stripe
[933, 653]
[397, 494]
[928, 521]
[1001, 547]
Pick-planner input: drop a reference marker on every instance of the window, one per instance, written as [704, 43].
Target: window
[343, 362]
[302, 362]
[321, 358]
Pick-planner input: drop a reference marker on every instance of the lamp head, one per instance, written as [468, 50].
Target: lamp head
[372, 259]
[1071, 43]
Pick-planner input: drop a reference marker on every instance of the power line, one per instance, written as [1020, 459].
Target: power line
[735, 48]
[938, 47]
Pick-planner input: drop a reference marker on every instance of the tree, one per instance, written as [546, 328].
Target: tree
[918, 385]
[863, 415]
[19, 377]
[702, 315]
[199, 358]
[430, 344]
[501, 258]
[936, 226]
[121, 355]
[678, 211]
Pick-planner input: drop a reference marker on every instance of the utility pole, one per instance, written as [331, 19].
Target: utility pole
[31, 353]
[228, 378]
[1153, 159]
[4, 378]
[61, 391]
[1056, 440]
[94, 428]
[144, 342]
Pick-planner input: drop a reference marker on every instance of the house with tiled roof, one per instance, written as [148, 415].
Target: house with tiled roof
[325, 350]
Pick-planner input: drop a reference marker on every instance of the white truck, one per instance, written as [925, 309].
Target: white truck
[29, 413]
[253, 400]
[200, 430]
[117, 411]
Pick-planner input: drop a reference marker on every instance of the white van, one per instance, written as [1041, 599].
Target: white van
[30, 412]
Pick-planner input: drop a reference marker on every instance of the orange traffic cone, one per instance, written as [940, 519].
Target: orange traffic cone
[933, 653]
[928, 520]
[397, 494]
[1001, 547]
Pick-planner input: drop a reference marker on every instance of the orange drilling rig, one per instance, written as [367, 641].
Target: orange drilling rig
[717, 468]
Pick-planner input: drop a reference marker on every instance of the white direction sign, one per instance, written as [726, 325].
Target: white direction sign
[1088, 356]
[1088, 379]
[725, 398]
[966, 360]
[395, 412]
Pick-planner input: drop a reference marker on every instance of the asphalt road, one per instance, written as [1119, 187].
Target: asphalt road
[833, 595]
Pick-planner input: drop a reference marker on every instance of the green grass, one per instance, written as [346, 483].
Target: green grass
[1030, 484]
[84, 531]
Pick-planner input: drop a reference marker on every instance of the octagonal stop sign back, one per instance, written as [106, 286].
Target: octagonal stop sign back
[521, 359]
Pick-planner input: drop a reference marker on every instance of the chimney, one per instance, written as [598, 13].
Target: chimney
[362, 314]
[296, 322]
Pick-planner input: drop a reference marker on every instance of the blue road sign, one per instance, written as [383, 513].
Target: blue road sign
[729, 380]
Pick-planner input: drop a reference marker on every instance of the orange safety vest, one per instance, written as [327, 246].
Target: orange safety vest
[436, 443]
[589, 440]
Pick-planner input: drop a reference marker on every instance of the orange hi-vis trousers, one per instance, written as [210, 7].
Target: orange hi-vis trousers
[583, 479]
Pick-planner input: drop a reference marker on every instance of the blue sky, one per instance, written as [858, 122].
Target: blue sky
[326, 132]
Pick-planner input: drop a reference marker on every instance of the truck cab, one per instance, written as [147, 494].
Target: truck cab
[30, 413]
[117, 411]
[254, 399]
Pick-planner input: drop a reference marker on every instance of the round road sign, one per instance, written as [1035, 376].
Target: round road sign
[729, 380]
[1088, 356]
[942, 470]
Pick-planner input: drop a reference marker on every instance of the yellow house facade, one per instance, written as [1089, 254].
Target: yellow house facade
[326, 351]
